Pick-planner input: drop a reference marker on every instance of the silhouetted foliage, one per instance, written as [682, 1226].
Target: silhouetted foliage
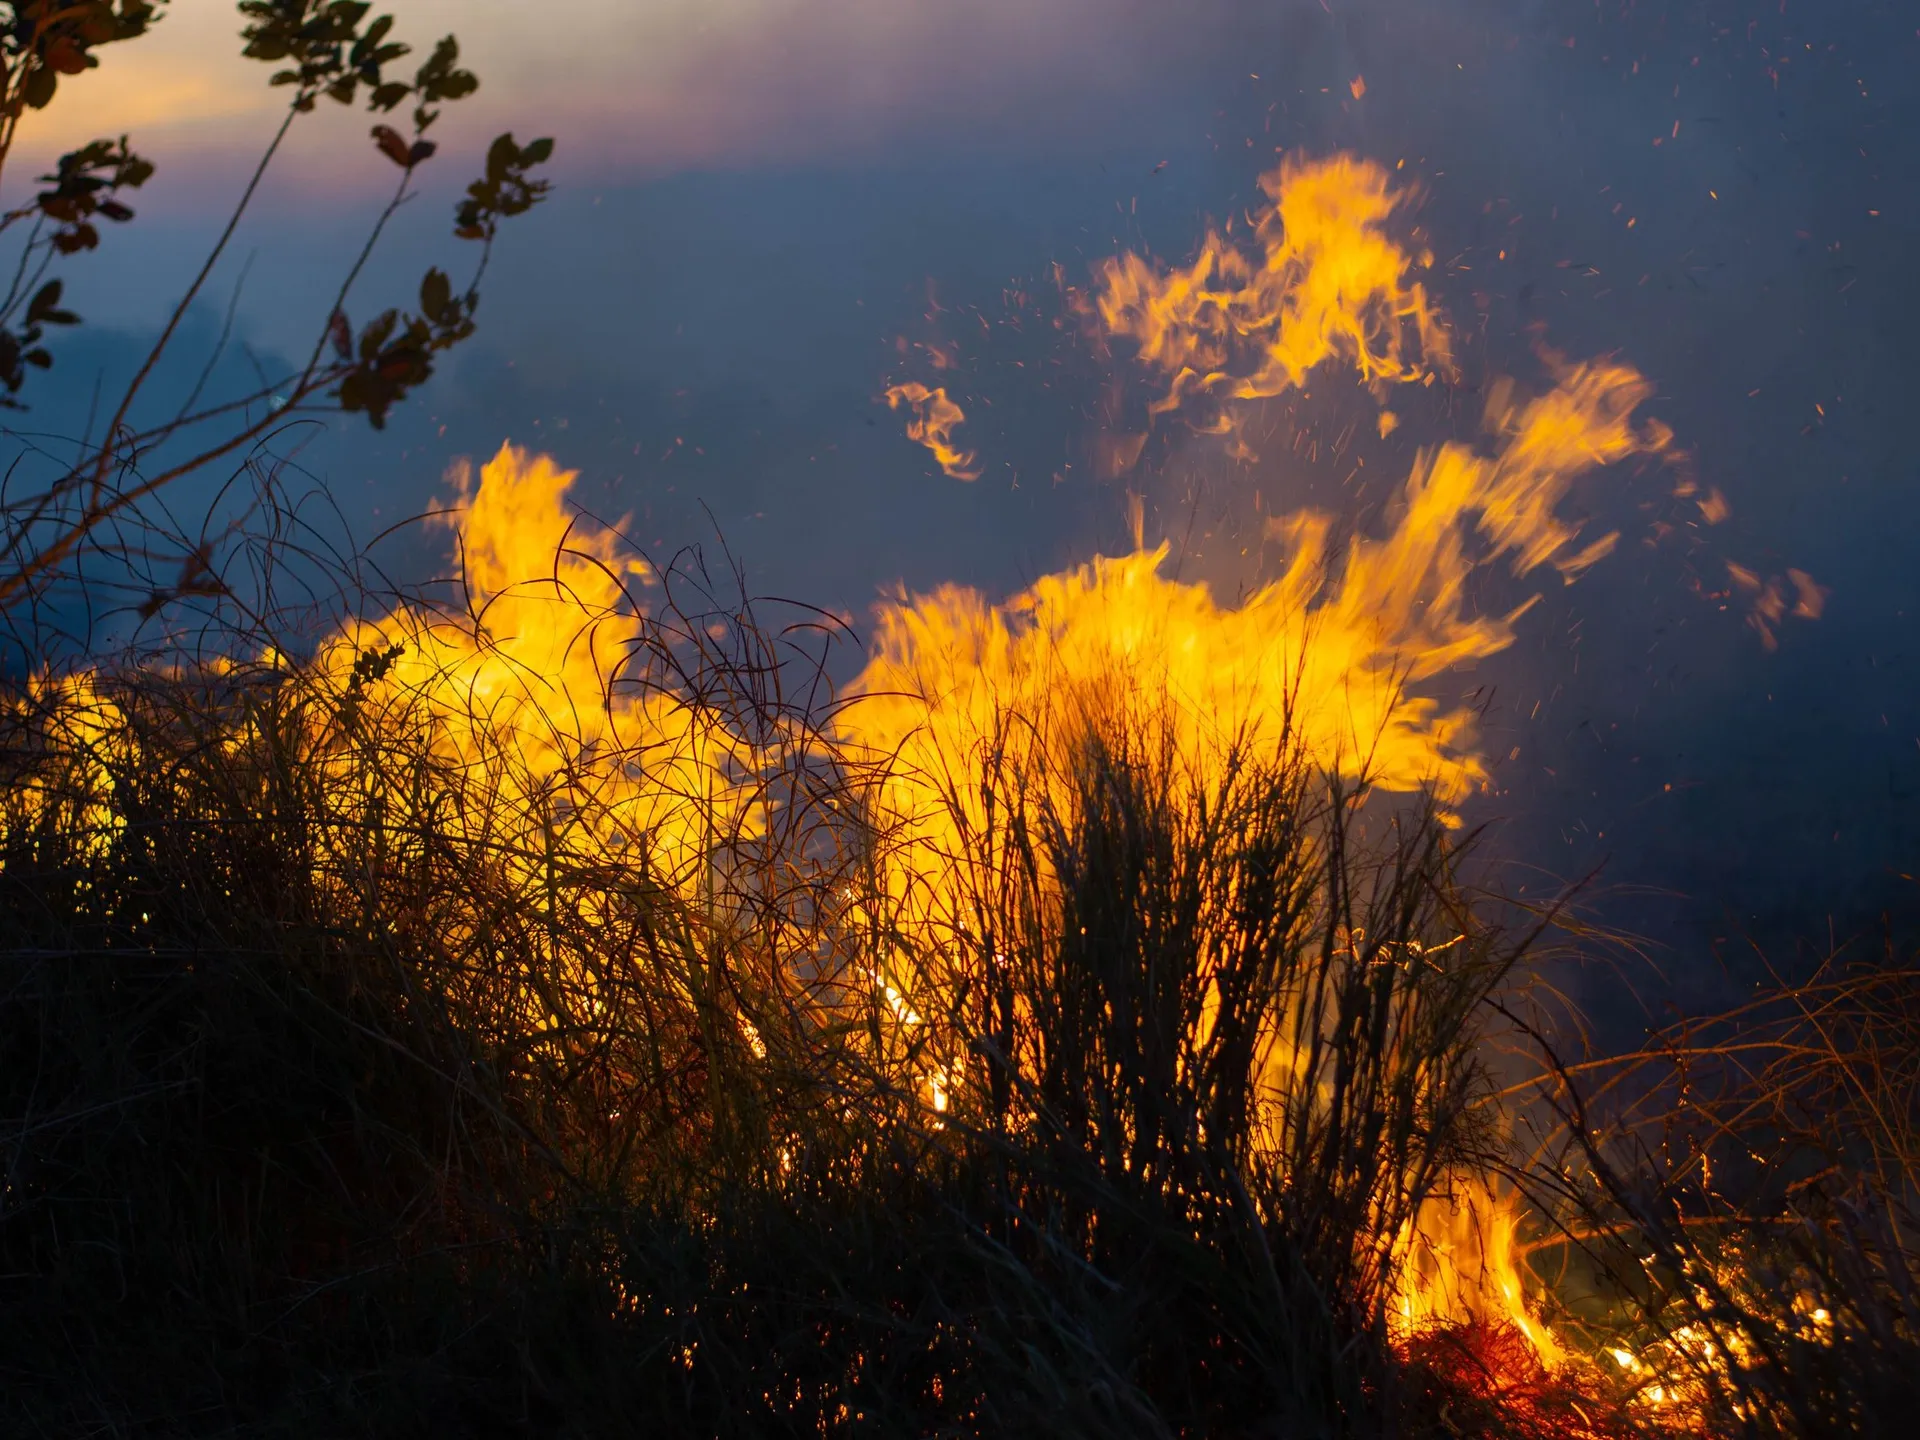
[324, 49]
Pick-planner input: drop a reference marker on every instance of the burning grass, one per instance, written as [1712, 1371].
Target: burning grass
[362, 1080]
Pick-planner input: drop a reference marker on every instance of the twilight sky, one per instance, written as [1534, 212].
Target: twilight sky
[661, 85]
[762, 201]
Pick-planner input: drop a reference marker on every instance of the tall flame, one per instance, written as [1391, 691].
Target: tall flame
[1325, 653]
[1330, 655]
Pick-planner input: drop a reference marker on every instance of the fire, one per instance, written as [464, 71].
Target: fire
[935, 418]
[1327, 654]
[532, 680]
[1328, 283]
[1330, 655]
[1463, 1262]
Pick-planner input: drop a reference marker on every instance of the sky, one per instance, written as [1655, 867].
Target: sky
[660, 85]
[767, 211]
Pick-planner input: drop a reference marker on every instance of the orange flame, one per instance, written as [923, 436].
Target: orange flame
[934, 420]
[1330, 653]
[1328, 283]
[1324, 653]
[1328, 656]
[1463, 1262]
[539, 670]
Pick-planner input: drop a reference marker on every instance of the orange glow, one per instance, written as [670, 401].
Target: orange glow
[1331, 655]
[648, 88]
[1463, 1263]
[1326, 652]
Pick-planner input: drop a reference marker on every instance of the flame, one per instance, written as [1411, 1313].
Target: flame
[1324, 654]
[1328, 656]
[1462, 1261]
[933, 423]
[534, 680]
[1328, 283]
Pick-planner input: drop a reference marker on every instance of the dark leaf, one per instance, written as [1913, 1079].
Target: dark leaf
[376, 32]
[80, 237]
[374, 337]
[44, 308]
[341, 333]
[68, 58]
[436, 293]
[421, 152]
[501, 157]
[393, 146]
[41, 83]
[439, 79]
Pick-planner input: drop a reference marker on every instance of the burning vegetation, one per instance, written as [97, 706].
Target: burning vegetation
[557, 1009]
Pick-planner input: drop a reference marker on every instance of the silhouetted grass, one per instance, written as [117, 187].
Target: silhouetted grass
[1743, 1187]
